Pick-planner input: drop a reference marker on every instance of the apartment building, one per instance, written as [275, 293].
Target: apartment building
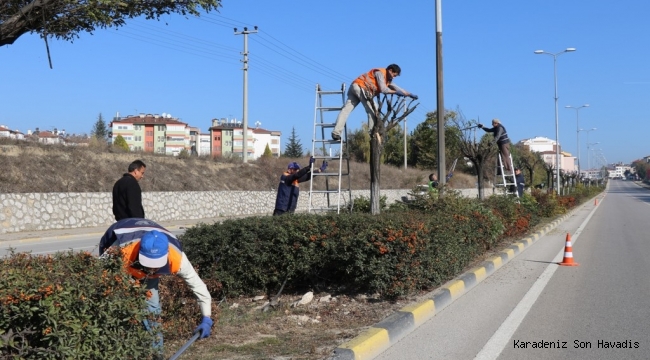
[227, 139]
[262, 138]
[12, 134]
[547, 149]
[161, 134]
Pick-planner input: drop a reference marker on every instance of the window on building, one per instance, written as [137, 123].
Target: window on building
[137, 127]
[161, 127]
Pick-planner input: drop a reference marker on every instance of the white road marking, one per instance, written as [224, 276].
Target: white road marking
[501, 338]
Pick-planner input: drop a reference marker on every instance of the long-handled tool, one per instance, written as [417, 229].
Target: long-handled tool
[451, 171]
[187, 344]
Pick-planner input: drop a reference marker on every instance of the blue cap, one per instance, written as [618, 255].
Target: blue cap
[293, 165]
[154, 247]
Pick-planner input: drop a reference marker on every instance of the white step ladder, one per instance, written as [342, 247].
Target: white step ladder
[507, 181]
[336, 195]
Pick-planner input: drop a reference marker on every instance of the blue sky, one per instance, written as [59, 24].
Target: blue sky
[190, 67]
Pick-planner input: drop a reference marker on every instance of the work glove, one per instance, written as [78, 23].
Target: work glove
[324, 166]
[413, 96]
[311, 161]
[480, 126]
[399, 93]
[204, 327]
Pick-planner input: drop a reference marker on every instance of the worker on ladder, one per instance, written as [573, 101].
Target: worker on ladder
[374, 82]
[502, 141]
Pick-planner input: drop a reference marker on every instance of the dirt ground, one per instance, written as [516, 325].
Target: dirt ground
[290, 331]
[286, 331]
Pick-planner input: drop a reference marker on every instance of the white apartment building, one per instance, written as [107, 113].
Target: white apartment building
[547, 148]
[263, 137]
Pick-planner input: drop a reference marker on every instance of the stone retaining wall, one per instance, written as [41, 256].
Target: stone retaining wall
[47, 211]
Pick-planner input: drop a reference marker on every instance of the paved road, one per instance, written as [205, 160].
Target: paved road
[532, 301]
[82, 239]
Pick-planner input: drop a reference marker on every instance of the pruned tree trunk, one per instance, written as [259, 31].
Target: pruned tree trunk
[388, 112]
[376, 149]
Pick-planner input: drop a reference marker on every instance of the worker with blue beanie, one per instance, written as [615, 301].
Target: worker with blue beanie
[150, 251]
[288, 190]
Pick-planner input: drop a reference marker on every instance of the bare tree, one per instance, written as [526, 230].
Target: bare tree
[388, 112]
[479, 153]
[529, 160]
[550, 170]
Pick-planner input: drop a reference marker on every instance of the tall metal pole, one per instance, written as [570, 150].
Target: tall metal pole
[245, 111]
[577, 130]
[557, 131]
[440, 99]
[557, 121]
[588, 131]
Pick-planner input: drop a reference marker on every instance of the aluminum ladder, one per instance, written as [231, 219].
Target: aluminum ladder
[507, 181]
[336, 194]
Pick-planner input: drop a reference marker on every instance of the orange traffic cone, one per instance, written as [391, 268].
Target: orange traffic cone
[568, 253]
[596, 202]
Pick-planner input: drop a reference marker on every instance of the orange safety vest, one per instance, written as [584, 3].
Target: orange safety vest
[130, 255]
[369, 82]
[126, 235]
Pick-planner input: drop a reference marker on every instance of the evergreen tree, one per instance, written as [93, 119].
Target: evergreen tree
[99, 131]
[120, 143]
[294, 148]
[358, 144]
[267, 152]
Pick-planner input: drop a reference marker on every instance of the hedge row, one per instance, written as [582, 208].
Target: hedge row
[392, 254]
[70, 306]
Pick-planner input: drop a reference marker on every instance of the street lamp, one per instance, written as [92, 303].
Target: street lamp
[587, 131]
[588, 159]
[557, 130]
[577, 129]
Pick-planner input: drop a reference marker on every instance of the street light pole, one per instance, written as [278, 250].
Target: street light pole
[588, 153]
[577, 130]
[588, 131]
[557, 127]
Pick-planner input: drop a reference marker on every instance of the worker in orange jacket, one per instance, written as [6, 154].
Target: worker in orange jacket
[150, 251]
[374, 82]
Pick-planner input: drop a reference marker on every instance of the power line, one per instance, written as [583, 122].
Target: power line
[303, 56]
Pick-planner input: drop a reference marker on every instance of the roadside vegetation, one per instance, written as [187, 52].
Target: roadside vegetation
[283, 287]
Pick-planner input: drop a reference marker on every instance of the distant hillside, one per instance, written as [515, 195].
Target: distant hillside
[28, 167]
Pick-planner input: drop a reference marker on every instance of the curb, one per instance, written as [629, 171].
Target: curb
[387, 332]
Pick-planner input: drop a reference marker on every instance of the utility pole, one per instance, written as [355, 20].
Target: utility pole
[245, 114]
[440, 99]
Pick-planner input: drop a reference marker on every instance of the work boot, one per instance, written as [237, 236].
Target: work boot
[336, 137]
